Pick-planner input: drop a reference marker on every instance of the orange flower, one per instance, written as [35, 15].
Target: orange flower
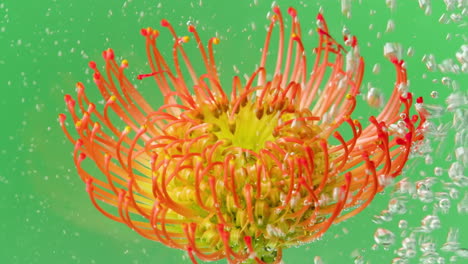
[240, 177]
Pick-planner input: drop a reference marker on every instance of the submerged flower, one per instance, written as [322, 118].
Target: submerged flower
[240, 177]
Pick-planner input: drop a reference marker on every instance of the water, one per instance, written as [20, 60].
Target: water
[46, 45]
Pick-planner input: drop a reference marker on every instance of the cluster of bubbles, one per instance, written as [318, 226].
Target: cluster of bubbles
[436, 188]
[441, 187]
[456, 12]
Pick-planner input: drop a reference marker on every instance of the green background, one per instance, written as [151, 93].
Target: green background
[46, 215]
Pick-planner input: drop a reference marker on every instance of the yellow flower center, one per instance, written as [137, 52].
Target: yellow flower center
[239, 168]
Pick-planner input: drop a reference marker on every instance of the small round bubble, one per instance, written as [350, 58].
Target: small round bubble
[428, 159]
[384, 237]
[444, 204]
[431, 222]
[396, 206]
[403, 224]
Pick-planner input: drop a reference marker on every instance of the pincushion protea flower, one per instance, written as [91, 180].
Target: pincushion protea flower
[240, 177]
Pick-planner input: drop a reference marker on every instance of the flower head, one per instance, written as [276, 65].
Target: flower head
[240, 177]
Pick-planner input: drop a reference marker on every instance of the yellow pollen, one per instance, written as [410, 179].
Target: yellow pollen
[185, 39]
[78, 124]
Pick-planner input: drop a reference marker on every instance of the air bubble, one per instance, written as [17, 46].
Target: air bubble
[385, 215]
[453, 259]
[427, 248]
[462, 252]
[409, 243]
[390, 26]
[392, 50]
[456, 169]
[430, 62]
[456, 17]
[446, 81]
[444, 19]
[403, 224]
[406, 187]
[318, 260]
[376, 68]
[399, 261]
[428, 159]
[391, 4]
[431, 222]
[425, 196]
[410, 253]
[463, 205]
[396, 206]
[461, 155]
[346, 8]
[319, 23]
[384, 237]
[345, 31]
[410, 52]
[454, 193]
[444, 205]
[375, 98]
[359, 260]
